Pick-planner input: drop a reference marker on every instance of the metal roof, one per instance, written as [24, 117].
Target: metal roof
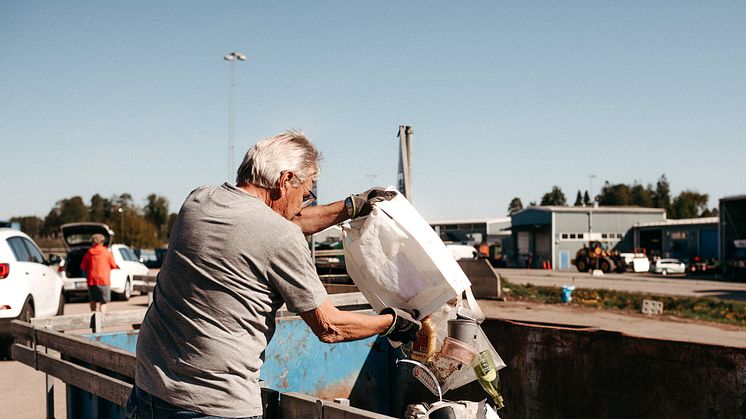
[734, 198]
[683, 221]
[550, 208]
[470, 221]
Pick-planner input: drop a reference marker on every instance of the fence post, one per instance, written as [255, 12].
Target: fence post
[50, 387]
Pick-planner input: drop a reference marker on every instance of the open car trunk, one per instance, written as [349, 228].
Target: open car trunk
[74, 258]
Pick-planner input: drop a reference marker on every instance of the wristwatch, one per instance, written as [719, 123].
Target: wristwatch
[350, 205]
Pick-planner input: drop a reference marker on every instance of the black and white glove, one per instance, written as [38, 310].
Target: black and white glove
[404, 328]
[362, 204]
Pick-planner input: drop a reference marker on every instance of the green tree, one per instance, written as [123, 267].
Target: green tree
[714, 212]
[618, 194]
[170, 224]
[586, 199]
[688, 204]
[30, 225]
[68, 210]
[156, 211]
[640, 196]
[555, 197]
[101, 209]
[578, 199]
[138, 231]
[662, 194]
[515, 206]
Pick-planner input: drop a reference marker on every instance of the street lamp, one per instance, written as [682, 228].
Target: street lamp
[232, 58]
[120, 210]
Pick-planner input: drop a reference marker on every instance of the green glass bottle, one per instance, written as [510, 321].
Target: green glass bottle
[484, 368]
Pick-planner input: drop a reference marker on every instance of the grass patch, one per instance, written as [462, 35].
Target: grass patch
[698, 308]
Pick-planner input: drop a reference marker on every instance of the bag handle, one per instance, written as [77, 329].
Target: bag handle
[473, 306]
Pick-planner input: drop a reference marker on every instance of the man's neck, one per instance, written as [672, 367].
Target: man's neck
[259, 192]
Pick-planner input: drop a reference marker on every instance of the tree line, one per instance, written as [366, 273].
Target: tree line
[687, 204]
[145, 226]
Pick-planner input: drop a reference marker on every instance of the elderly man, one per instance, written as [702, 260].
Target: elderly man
[236, 254]
[97, 265]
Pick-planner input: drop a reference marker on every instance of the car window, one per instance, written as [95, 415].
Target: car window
[128, 254]
[35, 254]
[19, 249]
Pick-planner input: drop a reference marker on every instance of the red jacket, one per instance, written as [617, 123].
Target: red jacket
[97, 264]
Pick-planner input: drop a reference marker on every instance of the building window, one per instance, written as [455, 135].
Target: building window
[678, 235]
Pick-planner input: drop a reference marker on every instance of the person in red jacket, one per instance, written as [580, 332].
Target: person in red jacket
[97, 265]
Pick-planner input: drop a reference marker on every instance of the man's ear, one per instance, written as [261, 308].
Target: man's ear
[284, 181]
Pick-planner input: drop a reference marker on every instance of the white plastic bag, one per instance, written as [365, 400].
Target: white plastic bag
[396, 259]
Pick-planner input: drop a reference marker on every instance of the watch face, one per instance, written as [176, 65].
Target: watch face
[348, 205]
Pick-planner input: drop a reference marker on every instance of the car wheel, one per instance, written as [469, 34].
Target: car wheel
[605, 266]
[61, 305]
[582, 265]
[27, 312]
[664, 272]
[127, 293]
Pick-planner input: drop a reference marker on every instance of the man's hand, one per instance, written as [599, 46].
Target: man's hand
[362, 204]
[404, 328]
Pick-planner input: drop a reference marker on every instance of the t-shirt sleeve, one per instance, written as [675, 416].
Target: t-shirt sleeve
[293, 274]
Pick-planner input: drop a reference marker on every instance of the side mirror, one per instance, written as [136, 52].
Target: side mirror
[53, 260]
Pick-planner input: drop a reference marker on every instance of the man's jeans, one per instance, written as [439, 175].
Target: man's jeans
[142, 405]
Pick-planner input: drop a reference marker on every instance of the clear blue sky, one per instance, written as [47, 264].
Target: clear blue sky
[506, 98]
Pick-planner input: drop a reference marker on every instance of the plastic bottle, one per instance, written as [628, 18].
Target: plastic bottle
[426, 342]
[484, 368]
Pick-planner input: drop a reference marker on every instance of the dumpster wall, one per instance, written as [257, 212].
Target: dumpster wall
[574, 373]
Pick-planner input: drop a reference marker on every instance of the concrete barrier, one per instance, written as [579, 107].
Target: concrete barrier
[485, 283]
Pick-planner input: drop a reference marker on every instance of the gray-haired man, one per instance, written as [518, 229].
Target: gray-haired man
[236, 254]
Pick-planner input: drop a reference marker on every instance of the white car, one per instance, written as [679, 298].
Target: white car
[29, 287]
[668, 266]
[77, 237]
[463, 251]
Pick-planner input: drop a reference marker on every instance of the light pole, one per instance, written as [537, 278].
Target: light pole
[232, 58]
[120, 210]
[591, 177]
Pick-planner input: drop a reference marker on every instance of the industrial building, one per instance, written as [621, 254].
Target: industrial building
[688, 239]
[549, 236]
[472, 231]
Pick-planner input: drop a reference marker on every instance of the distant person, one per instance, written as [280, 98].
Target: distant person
[236, 254]
[97, 265]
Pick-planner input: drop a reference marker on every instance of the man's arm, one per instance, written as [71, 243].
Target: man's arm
[333, 325]
[314, 219]
[311, 220]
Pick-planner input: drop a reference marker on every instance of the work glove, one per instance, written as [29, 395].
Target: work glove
[404, 328]
[362, 204]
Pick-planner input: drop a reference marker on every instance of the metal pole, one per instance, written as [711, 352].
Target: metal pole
[231, 117]
[404, 181]
[232, 58]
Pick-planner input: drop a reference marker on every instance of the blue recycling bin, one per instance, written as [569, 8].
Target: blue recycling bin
[567, 293]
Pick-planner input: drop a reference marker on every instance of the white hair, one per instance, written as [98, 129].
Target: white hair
[289, 151]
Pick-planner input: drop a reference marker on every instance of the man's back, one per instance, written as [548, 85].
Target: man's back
[231, 264]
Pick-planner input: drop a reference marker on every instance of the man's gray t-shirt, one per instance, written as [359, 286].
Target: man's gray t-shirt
[231, 263]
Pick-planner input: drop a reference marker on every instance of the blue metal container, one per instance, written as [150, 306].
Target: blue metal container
[295, 361]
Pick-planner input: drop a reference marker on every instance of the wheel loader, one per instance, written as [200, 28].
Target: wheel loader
[594, 256]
